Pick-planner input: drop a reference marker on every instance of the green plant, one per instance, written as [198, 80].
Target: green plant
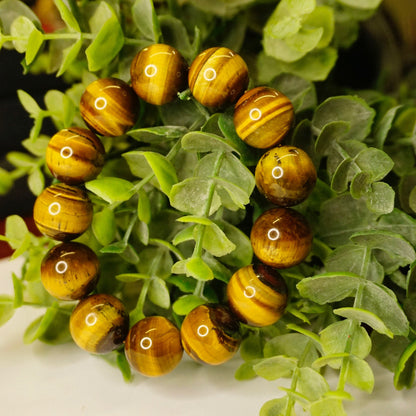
[175, 201]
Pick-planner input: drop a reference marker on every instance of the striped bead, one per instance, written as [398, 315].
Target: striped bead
[99, 324]
[257, 294]
[262, 117]
[75, 155]
[70, 271]
[210, 334]
[153, 346]
[281, 237]
[62, 212]
[109, 106]
[217, 77]
[285, 175]
[158, 73]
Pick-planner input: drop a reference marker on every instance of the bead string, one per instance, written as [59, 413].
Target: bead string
[257, 294]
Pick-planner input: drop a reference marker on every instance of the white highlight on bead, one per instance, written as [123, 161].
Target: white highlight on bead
[54, 208]
[100, 103]
[249, 292]
[66, 152]
[273, 234]
[151, 70]
[277, 172]
[255, 114]
[61, 267]
[210, 74]
[91, 319]
[146, 343]
[202, 330]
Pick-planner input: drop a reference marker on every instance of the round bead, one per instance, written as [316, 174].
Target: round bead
[109, 106]
[153, 346]
[158, 73]
[281, 237]
[99, 324]
[62, 212]
[75, 155]
[70, 271]
[210, 334]
[217, 77]
[257, 294]
[285, 175]
[262, 117]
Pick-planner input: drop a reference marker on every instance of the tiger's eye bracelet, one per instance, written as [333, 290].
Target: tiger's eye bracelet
[281, 237]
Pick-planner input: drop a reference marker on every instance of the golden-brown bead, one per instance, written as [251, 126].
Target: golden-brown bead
[262, 117]
[281, 237]
[75, 155]
[153, 346]
[99, 324]
[217, 77]
[285, 175]
[109, 106]
[158, 73]
[70, 271]
[62, 212]
[210, 334]
[257, 294]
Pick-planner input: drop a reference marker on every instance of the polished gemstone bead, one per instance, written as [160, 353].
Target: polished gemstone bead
[75, 155]
[281, 237]
[99, 323]
[70, 271]
[109, 106]
[217, 77]
[153, 346]
[285, 175]
[210, 334]
[257, 294]
[158, 73]
[62, 212]
[262, 117]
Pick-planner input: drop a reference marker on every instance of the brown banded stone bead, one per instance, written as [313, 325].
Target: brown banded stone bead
[257, 294]
[153, 346]
[99, 323]
[262, 117]
[70, 271]
[109, 106]
[158, 72]
[217, 77]
[285, 175]
[62, 212]
[210, 334]
[281, 237]
[75, 155]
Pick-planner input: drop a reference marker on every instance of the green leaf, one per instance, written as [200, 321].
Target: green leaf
[104, 226]
[132, 277]
[36, 181]
[144, 207]
[6, 308]
[146, 20]
[184, 304]
[159, 134]
[22, 28]
[380, 198]
[69, 55]
[6, 182]
[374, 162]
[359, 374]
[34, 44]
[327, 406]
[111, 189]
[215, 241]
[39, 326]
[196, 219]
[16, 231]
[311, 384]
[276, 367]
[67, 16]
[58, 330]
[159, 293]
[276, 407]
[402, 376]
[329, 134]
[61, 107]
[123, 365]
[199, 141]
[109, 37]
[245, 371]
[197, 268]
[29, 104]
[366, 4]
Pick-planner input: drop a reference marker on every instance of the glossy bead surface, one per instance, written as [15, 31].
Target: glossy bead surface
[210, 334]
[217, 77]
[62, 212]
[257, 294]
[158, 73]
[99, 324]
[262, 117]
[285, 175]
[109, 106]
[153, 346]
[70, 271]
[75, 155]
[281, 237]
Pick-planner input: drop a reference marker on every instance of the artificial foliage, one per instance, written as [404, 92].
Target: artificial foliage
[175, 202]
